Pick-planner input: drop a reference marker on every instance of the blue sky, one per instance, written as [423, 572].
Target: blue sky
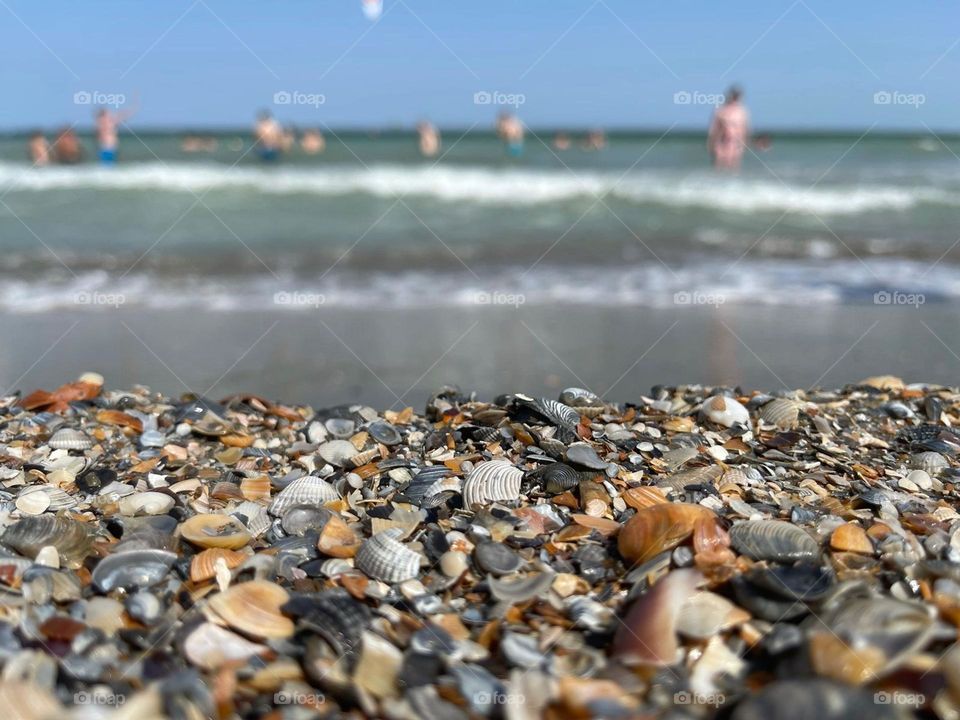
[808, 63]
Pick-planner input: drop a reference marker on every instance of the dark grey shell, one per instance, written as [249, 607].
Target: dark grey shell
[333, 615]
[813, 700]
[132, 569]
[72, 539]
[556, 477]
[773, 540]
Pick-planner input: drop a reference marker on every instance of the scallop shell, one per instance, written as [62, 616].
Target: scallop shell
[253, 608]
[383, 557]
[70, 439]
[724, 410]
[491, 481]
[214, 530]
[774, 540]
[657, 528]
[132, 569]
[306, 490]
[203, 566]
[29, 535]
[784, 413]
[255, 517]
[933, 462]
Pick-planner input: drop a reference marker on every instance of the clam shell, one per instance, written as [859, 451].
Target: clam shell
[657, 528]
[492, 481]
[132, 569]
[361, 459]
[579, 397]
[773, 540]
[32, 503]
[335, 616]
[306, 490]
[724, 410]
[146, 503]
[29, 535]
[214, 530]
[384, 432]
[932, 462]
[556, 477]
[70, 439]
[203, 566]
[57, 498]
[255, 517]
[253, 608]
[255, 488]
[383, 557]
[337, 452]
[784, 413]
[210, 647]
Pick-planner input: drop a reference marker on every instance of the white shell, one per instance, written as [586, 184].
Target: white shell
[33, 503]
[69, 439]
[447, 484]
[57, 498]
[724, 410]
[383, 557]
[306, 490]
[258, 522]
[932, 462]
[146, 503]
[495, 480]
[782, 412]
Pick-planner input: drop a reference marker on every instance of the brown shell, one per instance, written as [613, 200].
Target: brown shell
[337, 538]
[116, 417]
[253, 608]
[256, 488]
[215, 531]
[203, 564]
[657, 528]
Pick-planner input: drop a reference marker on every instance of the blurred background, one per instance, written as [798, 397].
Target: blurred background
[380, 234]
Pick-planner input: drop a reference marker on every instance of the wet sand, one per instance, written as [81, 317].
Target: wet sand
[398, 357]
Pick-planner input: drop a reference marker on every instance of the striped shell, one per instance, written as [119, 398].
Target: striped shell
[306, 490]
[774, 540]
[556, 412]
[255, 517]
[28, 536]
[932, 462]
[784, 413]
[579, 397]
[69, 439]
[383, 557]
[203, 566]
[492, 481]
[365, 457]
[424, 482]
[57, 498]
[556, 477]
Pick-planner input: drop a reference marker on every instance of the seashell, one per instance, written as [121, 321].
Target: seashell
[340, 427]
[801, 581]
[361, 459]
[211, 647]
[378, 666]
[337, 452]
[579, 397]
[70, 439]
[492, 481]
[588, 613]
[705, 614]
[556, 412]
[383, 557]
[496, 558]
[678, 457]
[520, 590]
[59, 498]
[254, 516]
[783, 413]
[29, 535]
[580, 453]
[152, 439]
[423, 482]
[813, 699]
[337, 539]
[253, 608]
[932, 462]
[335, 616]
[256, 488]
[306, 490]
[850, 537]
[657, 528]
[214, 530]
[32, 503]
[132, 569]
[724, 410]
[146, 503]
[385, 433]
[556, 477]
[773, 540]
[203, 566]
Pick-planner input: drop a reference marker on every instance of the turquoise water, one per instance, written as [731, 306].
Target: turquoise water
[815, 219]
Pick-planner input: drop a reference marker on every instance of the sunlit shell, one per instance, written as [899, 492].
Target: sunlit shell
[423, 482]
[29, 535]
[556, 477]
[214, 530]
[337, 538]
[705, 614]
[253, 608]
[657, 528]
[556, 412]
[365, 457]
[254, 517]
[784, 413]
[724, 410]
[203, 566]
[33, 502]
[773, 540]
[335, 616]
[132, 569]
[146, 503]
[306, 490]
[210, 647]
[383, 557]
[933, 462]
[256, 488]
[579, 397]
[70, 439]
[492, 481]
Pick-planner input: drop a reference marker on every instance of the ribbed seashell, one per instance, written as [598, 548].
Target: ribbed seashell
[70, 439]
[132, 569]
[556, 477]
[60, 499]
[724, 410]
[424, 480]
[492, 481]
[657, 528]
[334, 615]
[933, 462]
[383, 557]
[591, 411]
[28, 535]
[253, 608]
[210, 647]
[146, 503]
[556, 412]
[361, 459]
[255, 488]
[306, 490]
[256, 519]
[32, 502]
[203, 566]
[774, 540]
[214, 530]
[784, 413]
[579, 397]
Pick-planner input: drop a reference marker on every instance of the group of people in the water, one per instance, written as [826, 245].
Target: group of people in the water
[727, 138]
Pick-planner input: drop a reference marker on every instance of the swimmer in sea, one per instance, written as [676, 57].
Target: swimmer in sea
[561, 141]
[429, 139]
[312, 142]
[510, 131]
[268, 135]
[66, 148]
[729, 132]
[108, 138]
[39, 149]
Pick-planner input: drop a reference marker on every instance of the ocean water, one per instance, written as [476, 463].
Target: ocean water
[818, 219]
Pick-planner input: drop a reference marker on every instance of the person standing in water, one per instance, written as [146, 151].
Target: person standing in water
[108, 138]
[268, 135]
[510, 131]
[729, 131]
[429, 139]
[39, 149]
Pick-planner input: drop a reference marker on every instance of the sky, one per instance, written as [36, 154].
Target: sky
[610, 63]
